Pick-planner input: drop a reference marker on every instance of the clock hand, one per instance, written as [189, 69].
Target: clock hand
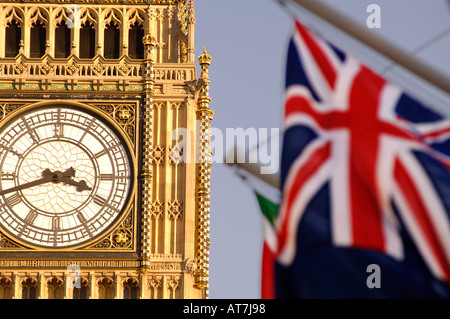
[70, 172]
[49, 176]
[45, 179]
[58, 176]
[81, 185]
[66, 178]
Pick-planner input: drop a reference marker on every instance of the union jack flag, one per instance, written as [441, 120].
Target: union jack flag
[365, 175]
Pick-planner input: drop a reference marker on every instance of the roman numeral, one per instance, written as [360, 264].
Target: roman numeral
[106, 177]
[83, 220]
[99, 154]
[103, 152]
[14, 152]
[8, 176]
[59, 127]
[13, 200]
[88, 128]
[59, 130]
[56, 223]
[98, 200]
[29, 219]
[81, 217]
[33, 134]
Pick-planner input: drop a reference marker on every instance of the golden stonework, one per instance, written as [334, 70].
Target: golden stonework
[205, 58]
[7, 243]
[128, 2]
[90, 93]
[120, 238]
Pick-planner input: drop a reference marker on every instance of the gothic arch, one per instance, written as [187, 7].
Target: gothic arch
[55, 288]
[10, 14]
[112, 15]
[88, 15]
[89, 32]
[37, 20]
[130, 288]
[29, 286]
[134, 30]
[81, 292]
[61, 32]
[136, 15]
[6, 288]
[105, 286]
[57, 16]
[12, 31]
[35, 14]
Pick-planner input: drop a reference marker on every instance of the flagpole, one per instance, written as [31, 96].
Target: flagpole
[377, 43]
[254, 169]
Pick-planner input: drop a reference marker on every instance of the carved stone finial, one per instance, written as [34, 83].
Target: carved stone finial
[149, 39]
[205, 58]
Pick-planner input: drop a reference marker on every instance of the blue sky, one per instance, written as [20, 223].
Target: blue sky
[247, 40]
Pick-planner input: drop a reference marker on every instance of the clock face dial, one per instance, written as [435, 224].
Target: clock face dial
[65, 177]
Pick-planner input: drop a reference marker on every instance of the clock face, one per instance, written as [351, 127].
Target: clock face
[65, 177]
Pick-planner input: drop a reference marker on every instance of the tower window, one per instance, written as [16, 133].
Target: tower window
[5, 288]
[80, 293]
[135, 45]
[29, 289]
[105, 289]
[62, 41]
[130, 289]
[37, 40]
[13, 37]
[29, 292]
[112, 41]
[87, 41]
[55, 288]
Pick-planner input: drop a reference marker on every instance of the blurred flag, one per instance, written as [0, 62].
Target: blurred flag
[268, 198]
[365, 184]
[268, 202]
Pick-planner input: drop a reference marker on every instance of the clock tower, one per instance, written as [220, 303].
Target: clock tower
[105, 156]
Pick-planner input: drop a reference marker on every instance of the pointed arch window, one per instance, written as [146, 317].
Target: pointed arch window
[55, 288]
[130, 289]
[12, 39]
[62, 40]
[37, 40]
[5, 288]
[112, 41]
[29, 289]
[87, 41]
[105, 289]
[135, 44]
[82, 292]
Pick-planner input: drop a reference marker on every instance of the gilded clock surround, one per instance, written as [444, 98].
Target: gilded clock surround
[159, 246]
[114, 119]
